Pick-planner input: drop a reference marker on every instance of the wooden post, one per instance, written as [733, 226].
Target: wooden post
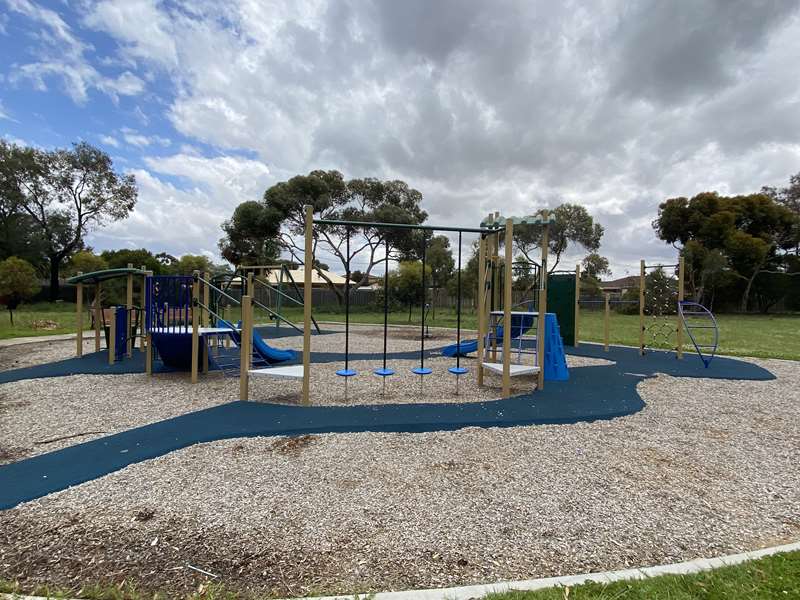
[142, 315]
[641, 307]
[129, 316]
[245, 348]
[507, 301]
[79, 317]
[542, 318]
[98, 316]
[250, 290]
[112, 336]
[679, 330]
[308, 260]
[577, 304]
[147, 340]
[206, 300]
[482, 243]
[195, 326]
[494, 288]
[605, 322]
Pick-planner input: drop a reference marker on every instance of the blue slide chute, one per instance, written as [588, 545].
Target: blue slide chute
[263, 350]
[520, 324]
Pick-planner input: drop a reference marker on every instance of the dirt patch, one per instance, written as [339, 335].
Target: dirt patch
[9, 454]
[291, 445]
[410, 334]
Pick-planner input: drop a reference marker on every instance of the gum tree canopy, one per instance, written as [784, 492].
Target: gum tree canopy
[751, 234]
[335, 198]
[573, 225]
[65, 193]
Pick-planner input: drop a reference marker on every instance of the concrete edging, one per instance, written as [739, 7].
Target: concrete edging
[475, 591]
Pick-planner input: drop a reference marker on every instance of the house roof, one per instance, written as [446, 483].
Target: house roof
[623, 282]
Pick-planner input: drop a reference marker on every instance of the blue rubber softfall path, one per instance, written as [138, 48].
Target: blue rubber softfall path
[592, 393]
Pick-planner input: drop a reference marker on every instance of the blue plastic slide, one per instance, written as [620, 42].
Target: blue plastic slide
[265, 351]
[520, 324]
[270, 354]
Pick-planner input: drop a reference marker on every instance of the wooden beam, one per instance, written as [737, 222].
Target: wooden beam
[507, 301]
[245, 348]
[79, 317]
[308, 260]
[195, 326]
[577, 304]
[206, 300]
[98, 316]
[678, 323]
[129, 315]
[541, 322]
[641, 306]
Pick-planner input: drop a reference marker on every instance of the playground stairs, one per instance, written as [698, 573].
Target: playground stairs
[229, 360]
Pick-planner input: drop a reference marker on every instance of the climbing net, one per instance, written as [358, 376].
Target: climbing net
[660, 307]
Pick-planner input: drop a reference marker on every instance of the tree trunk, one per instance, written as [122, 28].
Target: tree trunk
[11, 316]
[55, 263]
[746, 295]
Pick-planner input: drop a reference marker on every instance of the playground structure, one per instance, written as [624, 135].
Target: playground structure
[188, 320]
[664, 314]
[492, 313]
[121, 324]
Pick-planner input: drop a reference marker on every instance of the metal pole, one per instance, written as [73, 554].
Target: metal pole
[605, 322]
[577, 303]
[507, 302]
[481, 306]
[678, 323]
[542, 318]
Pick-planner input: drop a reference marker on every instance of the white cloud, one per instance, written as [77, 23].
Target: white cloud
[62, 55]
[186, 219]
[109, 140]
[3, 113]
[134, 138]
[483, 107]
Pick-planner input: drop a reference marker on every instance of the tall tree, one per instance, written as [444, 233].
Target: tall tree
[251, 235]
[439, 256]
[752, 232]
[18, 282]
[334, 198]
[595, 266]
[788, 197]
[66, 193]
[573, 225]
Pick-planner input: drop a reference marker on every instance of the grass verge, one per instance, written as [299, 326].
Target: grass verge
[768, 578]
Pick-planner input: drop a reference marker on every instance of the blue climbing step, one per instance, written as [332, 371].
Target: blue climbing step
[555, 360]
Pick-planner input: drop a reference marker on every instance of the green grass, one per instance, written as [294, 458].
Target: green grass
[764, 336]
[772, 577]
[775, 576]
[29, 318]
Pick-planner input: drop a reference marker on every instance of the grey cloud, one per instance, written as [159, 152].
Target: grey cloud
[668, 51]
[500, 105]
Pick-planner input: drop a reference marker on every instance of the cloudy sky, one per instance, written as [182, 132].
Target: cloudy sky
[482, 106]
